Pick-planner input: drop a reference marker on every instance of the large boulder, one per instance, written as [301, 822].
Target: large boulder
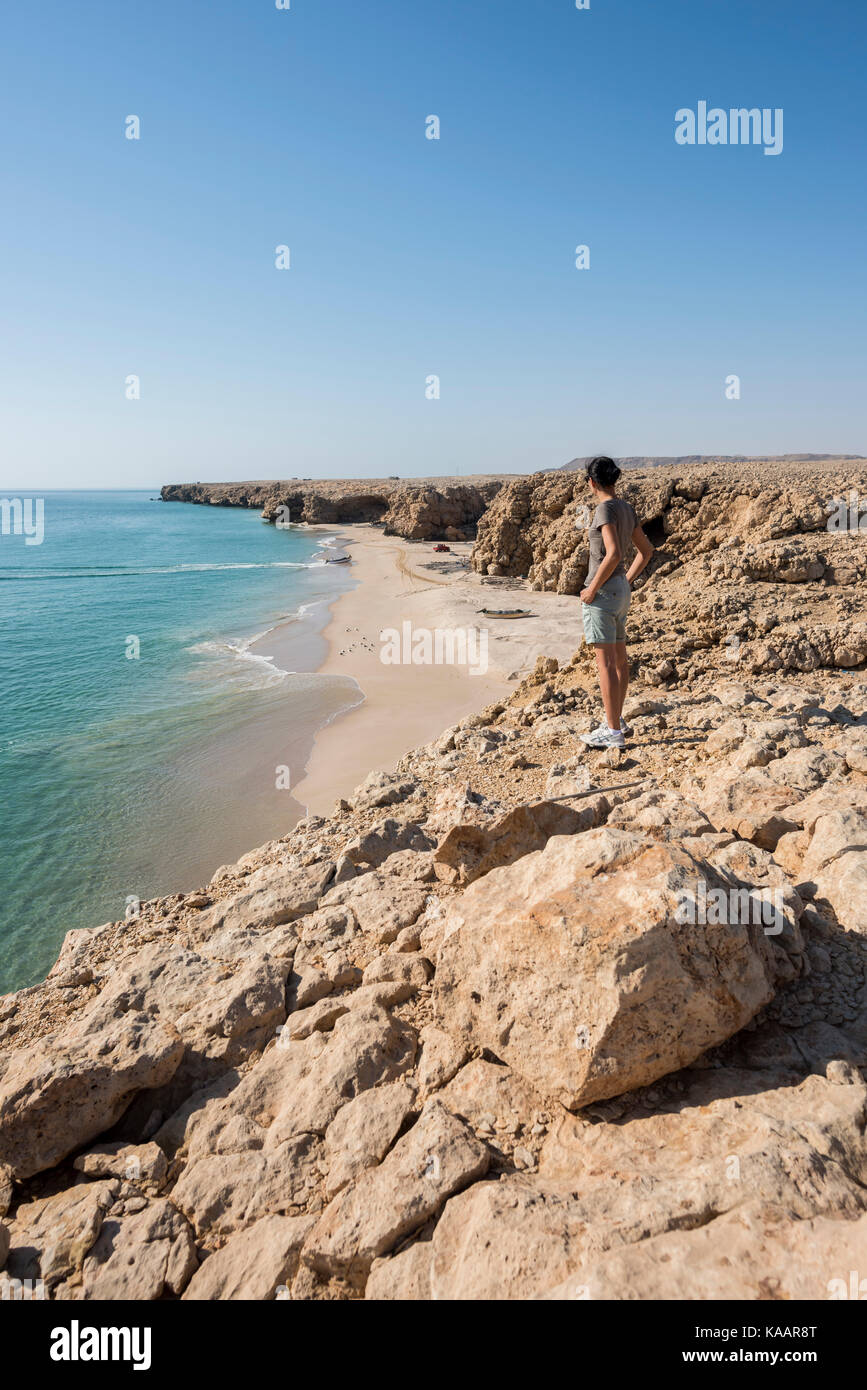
[579, 968]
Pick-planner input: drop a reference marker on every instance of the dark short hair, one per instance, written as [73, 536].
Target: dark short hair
[603, 471]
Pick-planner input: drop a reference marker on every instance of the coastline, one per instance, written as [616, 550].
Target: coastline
[402, 706]
[231, 1040]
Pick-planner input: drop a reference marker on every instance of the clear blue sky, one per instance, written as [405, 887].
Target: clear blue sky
[412, 257]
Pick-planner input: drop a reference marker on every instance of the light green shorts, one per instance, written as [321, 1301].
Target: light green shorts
[605, 618]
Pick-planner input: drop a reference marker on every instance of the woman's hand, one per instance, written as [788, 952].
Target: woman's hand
[587, 595]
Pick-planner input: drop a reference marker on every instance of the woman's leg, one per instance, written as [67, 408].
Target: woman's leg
[622, 664]
[609, 681]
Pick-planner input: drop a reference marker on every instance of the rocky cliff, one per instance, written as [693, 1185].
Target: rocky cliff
[763, 569]
[687, 460]
[517, 1021]
[427, 509]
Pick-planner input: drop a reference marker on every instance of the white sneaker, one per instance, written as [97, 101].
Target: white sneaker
[625, 729]
[603, 737]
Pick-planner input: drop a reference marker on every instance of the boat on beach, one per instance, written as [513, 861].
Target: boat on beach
[505, 612]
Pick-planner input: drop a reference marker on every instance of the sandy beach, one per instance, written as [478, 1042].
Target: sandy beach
[403, 705]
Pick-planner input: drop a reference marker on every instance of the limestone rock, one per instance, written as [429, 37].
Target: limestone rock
[590, 986]
[255, 1151]
[363, 1131]
[568, 779]
[223, 1192]
[404, 1277]
[661, 814]
[441, 1056]
[470, 851]
[137, 1163]
[503, 1240]
[385, 838]
[755, 1253]
[481, 1089]
[750, 804]
[68, 1088]
[253, 1264]
[382, 905]
[438, 1156]
[409, 970]
[140, 1256]
[834, 866]
[50, 1237]
[275, 896]
[379, 789]
[5, 1188]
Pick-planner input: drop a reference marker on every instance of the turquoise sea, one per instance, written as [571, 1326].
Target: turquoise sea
[141, 739]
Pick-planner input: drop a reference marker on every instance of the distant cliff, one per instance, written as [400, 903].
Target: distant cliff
[426, 509]
[686, 460]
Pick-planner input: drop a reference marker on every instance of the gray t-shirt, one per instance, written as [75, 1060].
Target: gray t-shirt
[619, 514]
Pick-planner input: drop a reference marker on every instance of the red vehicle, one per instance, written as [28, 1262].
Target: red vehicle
[442, 547]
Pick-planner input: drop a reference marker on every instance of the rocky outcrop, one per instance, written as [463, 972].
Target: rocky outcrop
[517, 1021]
[759, 570]
[577, 967]
[57, 1094]
[427, 509]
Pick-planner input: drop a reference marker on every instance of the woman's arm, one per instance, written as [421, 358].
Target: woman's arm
[642, 559]
[613, 556]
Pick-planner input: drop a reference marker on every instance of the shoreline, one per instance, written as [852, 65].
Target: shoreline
[402, 706]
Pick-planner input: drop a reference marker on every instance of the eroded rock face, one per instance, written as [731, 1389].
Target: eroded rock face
[333, 1086]
[469, 850]
[254, 1265]
[426, 510]
[609, 1195]
[55, 1096]
[258, 1151]
[573, 968]
[50, 1237]
[438, 1156]
[754, 1253]
[140, 1256]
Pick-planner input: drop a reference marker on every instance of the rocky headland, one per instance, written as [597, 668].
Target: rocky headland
[516, 1020]
[425, 509]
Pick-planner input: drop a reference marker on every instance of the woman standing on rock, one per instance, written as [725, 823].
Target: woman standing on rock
[607, 595]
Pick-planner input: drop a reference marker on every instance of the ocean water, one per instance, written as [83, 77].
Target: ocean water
[142, 742]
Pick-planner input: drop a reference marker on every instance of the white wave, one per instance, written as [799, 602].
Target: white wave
[245, 565]
[238, 652]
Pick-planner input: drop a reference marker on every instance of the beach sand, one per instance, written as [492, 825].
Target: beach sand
[403, 705]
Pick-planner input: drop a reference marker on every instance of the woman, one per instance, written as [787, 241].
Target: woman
[607, 594]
